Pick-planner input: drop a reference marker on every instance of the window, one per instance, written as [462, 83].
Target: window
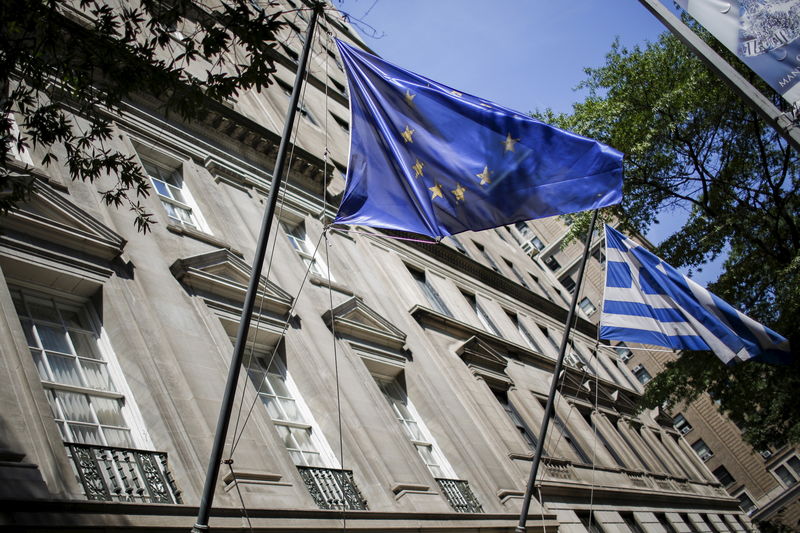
[524, 230]
[285, 87]
[458, 246]
[88, 406]
[550, 339]
[483, 316]
[537, 243]
[599, 256]
[723, 476]
[517, 274]
[306, 250]
[587, 306]
[172, 192]
[293, 420]
[520, 424]
[680, 423]
[623, 352]
[689, 523]
[702, 450]
[551, 262]
[603, 440]
[711, 527]
[430, 293]
[523, 331]
[794, 464]
[292, 55]
[487, 256]
[415, 430]
[341, 122]
[746, 503]
[631, 522]
[589, 521]
[766, 454]
[569, 284]
[662, 519]
[339, 87]
[785, 477]
[564, 433]
[642, 374]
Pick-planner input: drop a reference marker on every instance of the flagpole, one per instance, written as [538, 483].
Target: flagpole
[207, 498]
[548, 412]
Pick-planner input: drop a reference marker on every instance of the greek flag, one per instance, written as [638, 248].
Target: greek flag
[648, 301]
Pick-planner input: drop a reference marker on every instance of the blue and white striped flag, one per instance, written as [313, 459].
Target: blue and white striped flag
[648, 301]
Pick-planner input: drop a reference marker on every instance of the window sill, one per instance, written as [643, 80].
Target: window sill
[323, 282]
[177, 229]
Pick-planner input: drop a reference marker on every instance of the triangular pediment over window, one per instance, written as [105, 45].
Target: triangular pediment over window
[223, 275]
[49, 217]
[357, 320]
[485, 362]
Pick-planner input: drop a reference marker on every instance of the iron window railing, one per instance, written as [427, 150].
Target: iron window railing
[332, 488]
[459, 495]
[107, 473]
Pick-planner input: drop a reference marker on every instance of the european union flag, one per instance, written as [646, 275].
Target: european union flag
[431, 160]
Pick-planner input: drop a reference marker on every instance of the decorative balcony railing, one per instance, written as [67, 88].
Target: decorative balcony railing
[333, 489]
[123, 474]
[459, 495]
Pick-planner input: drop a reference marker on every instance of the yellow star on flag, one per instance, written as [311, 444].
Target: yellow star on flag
[436, 190]
[509, 143]
[458, 192]
[484, 176]
[407, 133]
[409, 97]
[417, 167]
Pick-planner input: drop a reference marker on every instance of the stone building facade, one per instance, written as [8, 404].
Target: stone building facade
[391, 385]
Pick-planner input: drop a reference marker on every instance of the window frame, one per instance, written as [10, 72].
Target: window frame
[305, 249]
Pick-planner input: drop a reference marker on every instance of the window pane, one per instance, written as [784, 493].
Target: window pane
[97, 376]
[176, 193]
[278, 384]
[85, 434]
[65, 369]
[286, 437]
[794, 464]
[74, 318]
[312, 459]
[785, 476]
[290, 410]
[118, 437]
[161, 187]
[38, 360]
[413, 430]
[108, 411]
[76, 406]
[42, 310]
[303, 439]
[27, 327]
[53, 339]
[272, 406]
[85, 344]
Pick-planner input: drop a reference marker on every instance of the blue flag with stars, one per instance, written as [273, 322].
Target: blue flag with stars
[428, 159]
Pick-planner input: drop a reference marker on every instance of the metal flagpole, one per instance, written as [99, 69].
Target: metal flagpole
[548, 412]
[762, 105]
[201, 525]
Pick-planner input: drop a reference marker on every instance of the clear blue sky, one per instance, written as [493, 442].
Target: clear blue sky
[523, 54]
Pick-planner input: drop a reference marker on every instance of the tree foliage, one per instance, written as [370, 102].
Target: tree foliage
[694, 150]
[67, 68]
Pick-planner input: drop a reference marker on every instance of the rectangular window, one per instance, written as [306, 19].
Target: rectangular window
[642, 374]
[702, 450]
[786, 477]
[458, 246]
[175, 197]
[746, 503]
[723, 476]
[520, 424]
[483, 316]
[599, 255]
[587, 306]
[623, 352]
[523, 331]
[523, 229]
[711, 527]
[415, 430]
[568, 284]
[631, 522]
[517, 274]
[589, 521]
[292, 418]
[680, 423]
[306, 250]
[666, 524]
[430, 293]
[603, 440]
[564, 433]
[689, 523]
[794, 464]
[551, 262]
[487, 256]
[88, 406]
